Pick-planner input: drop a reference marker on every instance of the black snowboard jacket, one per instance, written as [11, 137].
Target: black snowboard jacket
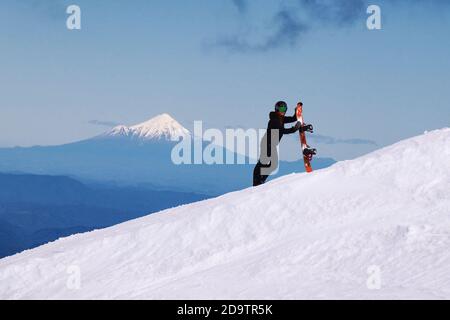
[277, 122]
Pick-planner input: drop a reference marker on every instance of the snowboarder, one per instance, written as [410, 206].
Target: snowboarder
[268, 161]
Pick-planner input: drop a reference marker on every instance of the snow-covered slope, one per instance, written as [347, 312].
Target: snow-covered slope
[157, 128]
[380, 221]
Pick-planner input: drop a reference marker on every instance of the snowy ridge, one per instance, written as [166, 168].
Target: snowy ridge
[301, 236]
[162, 127]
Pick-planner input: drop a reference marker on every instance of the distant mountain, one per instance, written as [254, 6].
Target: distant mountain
[57, 190]
[162, 127]
[135, 155]
[11, 239]
[37, 209]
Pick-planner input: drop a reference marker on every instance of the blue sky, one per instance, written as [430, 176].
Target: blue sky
[224, 62]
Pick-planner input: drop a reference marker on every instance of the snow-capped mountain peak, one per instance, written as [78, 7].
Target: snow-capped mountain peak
[161, 127]
[120, 130]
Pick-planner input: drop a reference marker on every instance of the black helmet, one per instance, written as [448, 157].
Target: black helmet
[281, 106]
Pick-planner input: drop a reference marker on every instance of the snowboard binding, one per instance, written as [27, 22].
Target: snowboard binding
[309, 152]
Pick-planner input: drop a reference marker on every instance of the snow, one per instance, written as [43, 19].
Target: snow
[377, 227]
[120, 130]
[160, 127]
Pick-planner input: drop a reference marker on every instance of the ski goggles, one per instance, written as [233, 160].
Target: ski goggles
[282, 109]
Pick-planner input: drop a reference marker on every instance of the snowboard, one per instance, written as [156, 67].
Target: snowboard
[306, 150]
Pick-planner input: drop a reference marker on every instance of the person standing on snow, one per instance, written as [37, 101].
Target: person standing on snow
[268, 161]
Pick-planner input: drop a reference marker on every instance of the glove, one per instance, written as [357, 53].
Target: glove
[306, 128]
[298, 126]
